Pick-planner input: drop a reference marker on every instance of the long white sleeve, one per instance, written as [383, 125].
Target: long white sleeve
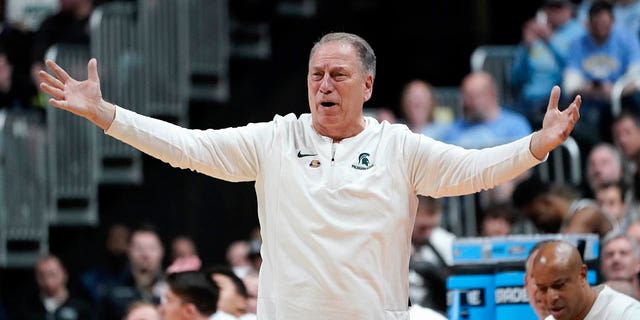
[229, 154]
[439, 169]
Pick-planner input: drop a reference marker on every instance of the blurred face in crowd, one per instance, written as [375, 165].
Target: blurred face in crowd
[557, 14]
[542, 212]
[230, 300]
[68, 5]
[385, 114]
[603, 167]
[417, 103]
[479, 100]
[118, 239]
[145, 251]
[6, 70]
[493, 226]
[626, 135]
[238, 254]
[182, 247]
[611, 200]
[426, 221]
[600, 26]
[51, 276]
[618, 260]
[338, 87]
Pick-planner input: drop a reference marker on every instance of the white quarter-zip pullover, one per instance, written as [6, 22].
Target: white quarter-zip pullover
[336, 218]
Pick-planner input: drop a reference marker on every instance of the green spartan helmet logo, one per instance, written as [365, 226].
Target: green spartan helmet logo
[363, 159]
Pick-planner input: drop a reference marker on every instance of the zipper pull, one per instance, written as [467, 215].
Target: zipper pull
[333, 154]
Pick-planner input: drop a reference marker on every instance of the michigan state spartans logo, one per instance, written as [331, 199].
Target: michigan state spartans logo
[363, 163]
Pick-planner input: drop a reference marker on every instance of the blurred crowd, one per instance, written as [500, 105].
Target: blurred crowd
[131, 282]
[585, 48]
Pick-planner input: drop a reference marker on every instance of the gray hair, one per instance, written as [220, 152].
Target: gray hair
[364, 50]
[612, 149]
[618, 234]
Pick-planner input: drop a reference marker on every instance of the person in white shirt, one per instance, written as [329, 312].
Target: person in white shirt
[620, 259]
[561, 279]
[232, 302]
[191, 295]
[336, 190]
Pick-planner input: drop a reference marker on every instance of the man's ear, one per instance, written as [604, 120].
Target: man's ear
[368, 87]
[190, 311]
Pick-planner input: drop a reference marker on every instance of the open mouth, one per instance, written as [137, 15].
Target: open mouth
[327, 104]
[557, 312]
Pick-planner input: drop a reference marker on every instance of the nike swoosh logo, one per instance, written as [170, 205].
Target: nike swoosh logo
[302, 155]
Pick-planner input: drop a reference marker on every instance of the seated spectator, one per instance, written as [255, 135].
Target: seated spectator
[484, 122]
[183, 246]
[626, 136]
[610, 198]
[497, 220]
[542, 56]
[53, 299]
[238, 257]
[191, 295]
[598, 60]
[232, 302]
[557, 208]
[141, 310]
[561, 278]
[417, 104]
[431, 256]
[144, 279]
[604, 166]
[620, 259]
[112, 268]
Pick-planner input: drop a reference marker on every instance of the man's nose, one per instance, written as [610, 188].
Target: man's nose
[552, 295]
[326, 86]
